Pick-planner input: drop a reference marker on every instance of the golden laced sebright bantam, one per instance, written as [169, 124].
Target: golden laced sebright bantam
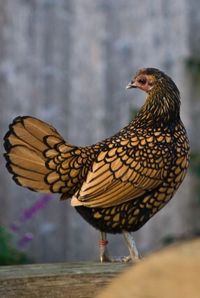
[118, 184]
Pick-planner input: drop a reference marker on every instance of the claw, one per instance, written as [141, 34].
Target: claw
[124, 259]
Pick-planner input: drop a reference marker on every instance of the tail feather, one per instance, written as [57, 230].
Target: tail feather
[27, 158]
[33, 156]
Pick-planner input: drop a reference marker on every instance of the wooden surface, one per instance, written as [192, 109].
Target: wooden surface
[70, 280]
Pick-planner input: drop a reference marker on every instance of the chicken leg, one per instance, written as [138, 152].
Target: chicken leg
[104, 255]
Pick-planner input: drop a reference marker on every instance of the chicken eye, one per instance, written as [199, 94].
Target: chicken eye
[142, 81]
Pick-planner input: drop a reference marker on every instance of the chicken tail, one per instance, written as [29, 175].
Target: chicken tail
[33, 154]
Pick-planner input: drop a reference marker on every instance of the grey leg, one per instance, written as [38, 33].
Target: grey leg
[103, 248]
[134, 255]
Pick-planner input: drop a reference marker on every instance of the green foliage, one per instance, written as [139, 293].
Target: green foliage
[195, 167]
[8, 254]
[195, 163]
[168, 239]
[193, 64]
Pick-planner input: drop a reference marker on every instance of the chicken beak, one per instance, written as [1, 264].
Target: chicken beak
[131, 85]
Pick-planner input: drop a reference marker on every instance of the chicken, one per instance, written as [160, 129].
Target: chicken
[118, 184]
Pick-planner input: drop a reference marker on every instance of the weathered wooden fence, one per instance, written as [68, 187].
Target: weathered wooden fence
[68, 62]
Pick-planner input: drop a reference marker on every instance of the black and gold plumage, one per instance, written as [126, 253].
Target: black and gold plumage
[118, 184]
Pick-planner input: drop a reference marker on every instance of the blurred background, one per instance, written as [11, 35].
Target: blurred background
[68, 62]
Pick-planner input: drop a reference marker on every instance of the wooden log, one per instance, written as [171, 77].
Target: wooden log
[70, 280]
